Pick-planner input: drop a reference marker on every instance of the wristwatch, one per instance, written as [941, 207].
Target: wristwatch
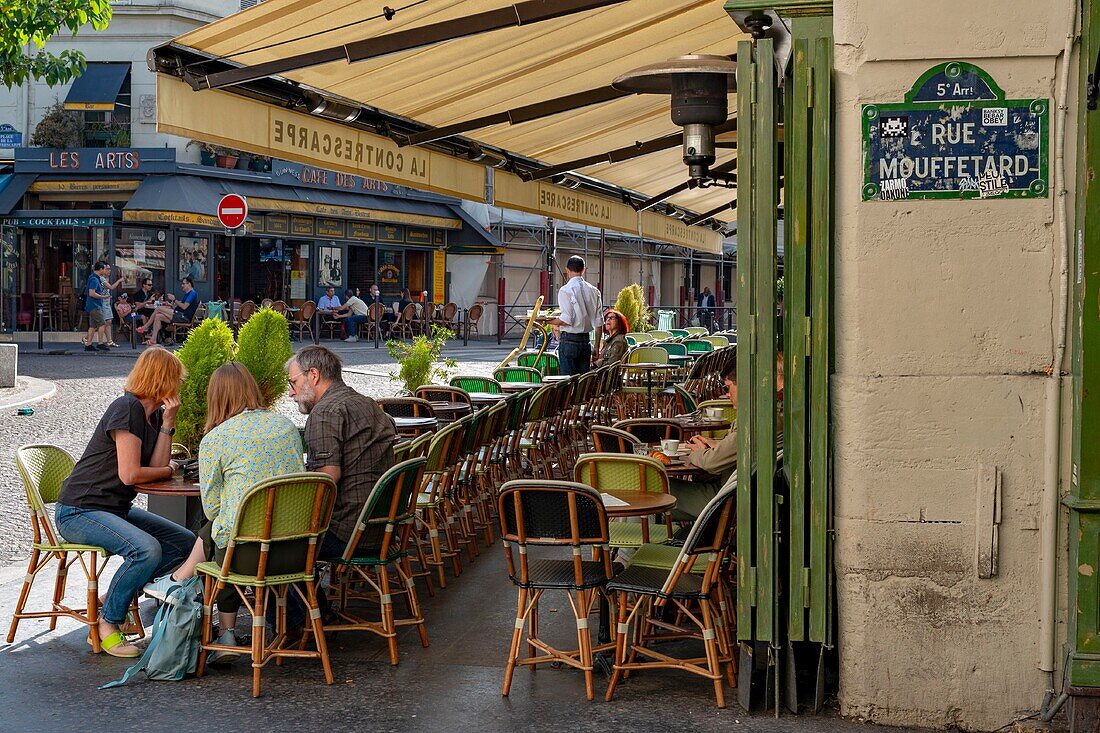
[168, 431]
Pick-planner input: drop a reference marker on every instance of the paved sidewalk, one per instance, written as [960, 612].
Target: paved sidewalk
[27, 391]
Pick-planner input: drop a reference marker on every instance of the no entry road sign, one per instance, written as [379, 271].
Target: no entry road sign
[232, 210]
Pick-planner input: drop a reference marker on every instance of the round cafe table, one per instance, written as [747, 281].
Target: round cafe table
[176, 499]
[414, 426]
[649, 369]
[485, 399]
[514, 387]
[692, 425]
[447, 412]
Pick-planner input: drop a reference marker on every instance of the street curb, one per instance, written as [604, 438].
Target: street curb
[37, 390]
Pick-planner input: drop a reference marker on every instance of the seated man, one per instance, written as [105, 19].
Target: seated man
[328, 303]
[180, 310]
[388, 316]
[353, 312]
[716, 457]
[347, 436]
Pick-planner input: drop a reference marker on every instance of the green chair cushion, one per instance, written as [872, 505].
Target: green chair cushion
[660, 557]
[629, 534]
[213, 568]
[68, 547]
[372, 559]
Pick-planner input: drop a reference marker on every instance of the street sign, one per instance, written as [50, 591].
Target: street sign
[955, 136]
[10, 137]
[232, 210]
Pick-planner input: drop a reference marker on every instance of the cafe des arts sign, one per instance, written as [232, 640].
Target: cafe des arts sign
[955, 136]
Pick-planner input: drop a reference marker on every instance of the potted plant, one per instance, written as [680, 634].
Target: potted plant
[631, 303]
[261, 163]
[244, 160]
[263, 346]
[206, 348]
[422, 361]
[208, 154]
[227, 157]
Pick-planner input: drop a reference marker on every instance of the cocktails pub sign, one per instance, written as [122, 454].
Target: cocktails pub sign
[955, 137]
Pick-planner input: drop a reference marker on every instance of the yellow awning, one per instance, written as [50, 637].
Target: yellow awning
[466, 78]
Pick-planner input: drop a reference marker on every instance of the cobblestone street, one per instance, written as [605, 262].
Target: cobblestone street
[86, 384]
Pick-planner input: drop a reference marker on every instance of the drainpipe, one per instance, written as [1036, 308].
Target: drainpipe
[1048, 515]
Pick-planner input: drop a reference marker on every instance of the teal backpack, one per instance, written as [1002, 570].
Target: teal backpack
[173, 650]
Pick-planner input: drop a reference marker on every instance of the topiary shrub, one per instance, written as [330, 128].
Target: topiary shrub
[422, 361]
[263, 346]
[206, 348]
[631, 303]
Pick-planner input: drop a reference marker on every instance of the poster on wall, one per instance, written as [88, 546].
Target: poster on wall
[193, 253]
[298, 284]
[329, 267]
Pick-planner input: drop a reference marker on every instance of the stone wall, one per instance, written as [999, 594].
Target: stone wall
[943, 331]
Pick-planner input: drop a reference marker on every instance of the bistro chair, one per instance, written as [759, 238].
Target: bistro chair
[547, 364]
[447, 319]
[698, 595]
[267, 303]
[556, 514]
[698, 346]
[407, 323]
[303, 320]
[279, 307]
[614, 440]
[660, 335]
[610, 472]
[639, 337]
[679, 333]
[729, 414]
[444, 393]
[376, 322]
[719, 342]
[514, 374]
[406, 407]
[683, 401]
[43, 468]
[473, 319]
[293, 508]
[652, 430]
[173, 331]
[443, 456]
[477, 384]
[697, 331]
[376, 556]
[246, 311]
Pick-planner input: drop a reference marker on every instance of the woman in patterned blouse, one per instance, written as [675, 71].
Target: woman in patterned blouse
[243, 444]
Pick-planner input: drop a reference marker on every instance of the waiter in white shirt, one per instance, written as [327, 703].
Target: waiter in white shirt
[581, 313]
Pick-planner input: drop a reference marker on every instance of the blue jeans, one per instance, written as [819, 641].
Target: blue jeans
[353, 324]
[574, 355]
[148, 544]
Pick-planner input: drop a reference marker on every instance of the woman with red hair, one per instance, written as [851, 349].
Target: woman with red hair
[614, 345]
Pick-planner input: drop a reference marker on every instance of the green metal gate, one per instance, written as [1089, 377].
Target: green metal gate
[784, 547]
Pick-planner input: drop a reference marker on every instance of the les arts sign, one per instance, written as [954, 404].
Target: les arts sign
[95, 160]
[955, 137]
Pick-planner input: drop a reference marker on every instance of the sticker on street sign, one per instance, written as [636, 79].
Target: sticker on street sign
[232, 210]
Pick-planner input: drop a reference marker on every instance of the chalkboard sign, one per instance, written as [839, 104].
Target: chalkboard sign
[955, 137]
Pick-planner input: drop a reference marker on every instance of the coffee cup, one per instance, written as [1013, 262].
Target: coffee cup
[715, 413]
[670, 447]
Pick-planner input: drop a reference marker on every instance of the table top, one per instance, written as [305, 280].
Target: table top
[555, 378]
[647, 365]
[519, 386]
[680, 357]
[639, 503]
[175, 486]
[486, 398]
[693, 424]
[449, 408]
[415, 422]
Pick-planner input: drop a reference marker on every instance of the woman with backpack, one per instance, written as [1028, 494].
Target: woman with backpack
[132, 444]
[243, 444]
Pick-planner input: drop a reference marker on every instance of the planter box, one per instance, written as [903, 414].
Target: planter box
[9, 361]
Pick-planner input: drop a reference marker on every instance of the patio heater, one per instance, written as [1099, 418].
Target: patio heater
[699, 85]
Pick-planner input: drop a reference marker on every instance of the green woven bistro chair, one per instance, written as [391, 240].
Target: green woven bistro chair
[517, 374]
[719, 342]
[293, 508]
[660, 335]
[698, 346]
[684, 401]
[694, 585]
[477, 384]
[547, 364]
[43, 469]
[680, 333]
[376, 556]
[444, 453]
[612, 440]
[639, 337]
[729, 414]
[611, 472]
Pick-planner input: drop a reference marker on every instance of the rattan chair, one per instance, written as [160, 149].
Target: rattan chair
[376, 556]
[291, 508]
[303, 320]
[614, 440]
[477, 384]
[447, 317]
[652, 430]
[473, 319]
[246, 311]
[642, 589]
[43, 468]
[517, 374]
[443, 455]
[407, 324]
[561, 514]
[618, 472]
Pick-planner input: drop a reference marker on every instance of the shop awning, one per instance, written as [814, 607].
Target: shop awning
[473, 238]
[498, 75]
[11, 194]
[193, 199]
[98, 87]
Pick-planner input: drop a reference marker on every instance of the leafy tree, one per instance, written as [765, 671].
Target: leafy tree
[263, 346]
[57, 129]
[631, 303]
[33, 22]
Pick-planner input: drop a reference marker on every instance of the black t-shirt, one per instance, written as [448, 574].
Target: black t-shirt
[94, 482]
[140, 296]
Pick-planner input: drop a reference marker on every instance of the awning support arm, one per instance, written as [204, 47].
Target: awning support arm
[517, 115]
[524, 13]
